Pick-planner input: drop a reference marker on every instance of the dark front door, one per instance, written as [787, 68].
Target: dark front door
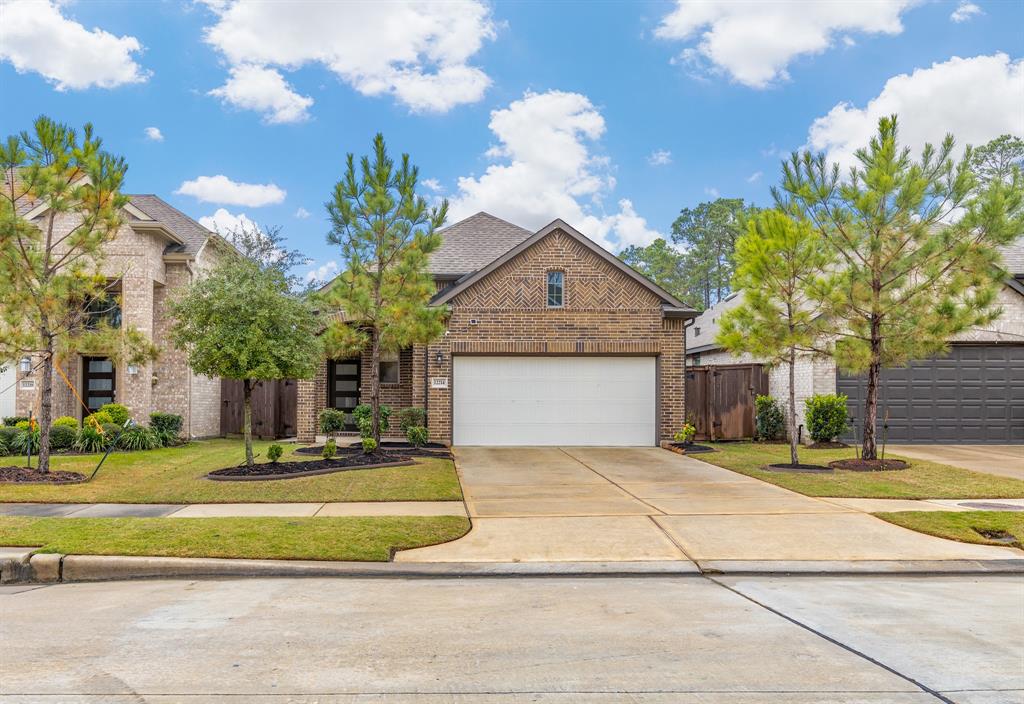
[98, 382]
[343, 387]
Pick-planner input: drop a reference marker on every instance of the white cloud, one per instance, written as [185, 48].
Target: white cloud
[301, 213]
[711, 191]
[976, 99]
[35, 36]
[418, 52]
[755, 177]
[660, 157]
[754, 41]
[221, 189]
[965, 11]
[224, 222]
[324, 272]
[544, 169]
[264, 90]
[154, 134]
[432, 184]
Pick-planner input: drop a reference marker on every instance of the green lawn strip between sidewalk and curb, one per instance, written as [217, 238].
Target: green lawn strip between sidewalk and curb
[961, 525]
[175, 475]
[922, 480]
[321, 538]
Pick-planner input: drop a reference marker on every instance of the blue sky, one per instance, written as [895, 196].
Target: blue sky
[530, 110]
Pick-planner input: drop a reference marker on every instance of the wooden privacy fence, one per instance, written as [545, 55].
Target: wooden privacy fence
[274, 408]
[720, 399]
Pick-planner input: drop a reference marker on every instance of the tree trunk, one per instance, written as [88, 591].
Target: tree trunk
[869, 449]
[46, 407]
[375, 384]
[792, 408]
[247, 421]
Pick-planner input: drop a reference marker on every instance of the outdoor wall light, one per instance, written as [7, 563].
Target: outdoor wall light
[439, 357]
[25, 365]
[133, 369]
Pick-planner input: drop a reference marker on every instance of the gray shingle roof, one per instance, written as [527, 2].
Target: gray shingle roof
[474, 243]
[194, 234]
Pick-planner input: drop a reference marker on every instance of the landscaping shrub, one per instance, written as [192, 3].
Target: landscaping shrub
[111, 430]
[167, 427]
[363, 414]
[369, 445]
[22, 439]
[118, 413]
[11, 421]
[770, 421]
[138, 437]
[410, 418]
[66, 421]
[62, 437]
[7, 438]
[4, 446]
[330, 449]
[90, 439]
[826, 416]
[274, 452]
[22, 425]
[332, 421]
[417, 435]
[685, 433]
[98, 419]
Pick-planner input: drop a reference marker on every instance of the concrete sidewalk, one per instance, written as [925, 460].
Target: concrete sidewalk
[287, 510]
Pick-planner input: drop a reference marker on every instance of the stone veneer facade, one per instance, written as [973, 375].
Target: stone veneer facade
[605, 313]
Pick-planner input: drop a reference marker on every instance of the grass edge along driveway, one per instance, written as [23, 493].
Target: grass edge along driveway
[961, 525]
[174, 475]
[922, 480]
[363, 539]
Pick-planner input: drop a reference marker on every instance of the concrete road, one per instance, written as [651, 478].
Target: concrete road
[1005, 460]
[685, 639]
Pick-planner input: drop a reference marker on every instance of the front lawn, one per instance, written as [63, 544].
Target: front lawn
[962, 525]
[328, 538]
[923, 480]
[174, 475]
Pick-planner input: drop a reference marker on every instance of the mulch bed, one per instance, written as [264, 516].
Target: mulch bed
[828, 446]
[858, 465]
[24, 475]
[689, 448]
[291, 470]
[798, 468]
[431, 449]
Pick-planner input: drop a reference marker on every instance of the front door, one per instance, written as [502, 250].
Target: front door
[343, 387]
[98, 382]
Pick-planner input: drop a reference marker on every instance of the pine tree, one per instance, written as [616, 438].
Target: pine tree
[779, 261]
[386, 233]
[916, 248]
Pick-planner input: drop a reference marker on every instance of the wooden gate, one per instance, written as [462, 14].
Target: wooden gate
[274, 408]
[720, 399]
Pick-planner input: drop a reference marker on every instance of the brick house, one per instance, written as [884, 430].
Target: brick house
[975, 394]
[157, 250]
[550, 340]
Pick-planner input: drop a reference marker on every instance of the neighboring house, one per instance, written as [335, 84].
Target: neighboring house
[550, 340]
[158, 249]
[8, 389]
[975, 394]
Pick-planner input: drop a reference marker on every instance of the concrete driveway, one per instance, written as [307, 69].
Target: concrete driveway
[648, 504]
[1004, 460]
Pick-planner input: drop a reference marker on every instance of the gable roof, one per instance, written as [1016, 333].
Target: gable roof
[475, 242]
[677, 307]
[1013, 257]
[707, 325]
[193, 235]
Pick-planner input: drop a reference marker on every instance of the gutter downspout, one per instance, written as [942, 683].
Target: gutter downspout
[686, 402]
[188, 401]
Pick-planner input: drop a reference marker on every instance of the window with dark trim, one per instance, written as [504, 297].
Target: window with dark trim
[389, 368]
[556, 289]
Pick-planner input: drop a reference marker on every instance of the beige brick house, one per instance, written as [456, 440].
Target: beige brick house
[550, 340]
[157, 250]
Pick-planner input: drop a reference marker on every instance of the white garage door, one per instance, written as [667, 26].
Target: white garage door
[554, 401]
[8, 379]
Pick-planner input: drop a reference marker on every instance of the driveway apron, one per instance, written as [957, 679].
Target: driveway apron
[647, 504]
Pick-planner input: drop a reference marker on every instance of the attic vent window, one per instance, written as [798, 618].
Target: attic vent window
[696, 332]
[556, 289]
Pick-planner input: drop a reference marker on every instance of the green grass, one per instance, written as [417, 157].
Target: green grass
[961, 525]
[923, 480]
[328, 538]
[175, 475]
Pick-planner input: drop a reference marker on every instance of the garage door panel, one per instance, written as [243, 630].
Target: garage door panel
[975, 394]
[554, 400]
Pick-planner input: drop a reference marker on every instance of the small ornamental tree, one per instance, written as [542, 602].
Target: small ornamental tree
[916, 244]
[386, 233]
[778, 262]
[54, 290]
[243, 322]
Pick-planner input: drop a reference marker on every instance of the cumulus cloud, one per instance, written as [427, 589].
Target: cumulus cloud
[324, 272]
[36, 36]
[224, 222]
[755, 177]
[543, 169]
[660, 157]
[301, 213]
[417, 52]
[754, 41]
[265, 91]
[221, 189]
[154, 134]
[976, 99]
[432, 184]
[965, 11]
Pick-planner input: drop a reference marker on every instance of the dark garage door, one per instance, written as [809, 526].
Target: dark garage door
[974, 395]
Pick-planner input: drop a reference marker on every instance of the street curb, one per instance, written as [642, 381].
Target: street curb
[824, 568]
